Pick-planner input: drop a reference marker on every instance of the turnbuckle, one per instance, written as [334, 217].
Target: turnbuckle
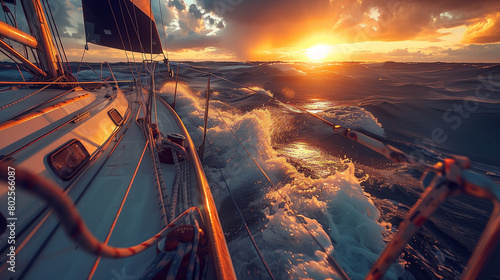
[453, 177]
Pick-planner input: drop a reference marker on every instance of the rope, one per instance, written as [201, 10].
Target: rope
[175, 186]
[175, 148]
[246, 227]
[185, 193]
[196, 267]
[161, 191]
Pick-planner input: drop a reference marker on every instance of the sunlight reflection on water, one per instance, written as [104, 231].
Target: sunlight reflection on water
[319, 105]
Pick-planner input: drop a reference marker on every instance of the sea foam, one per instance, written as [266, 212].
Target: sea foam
[334, 209]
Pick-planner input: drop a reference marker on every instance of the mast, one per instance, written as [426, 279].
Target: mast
[47, 52]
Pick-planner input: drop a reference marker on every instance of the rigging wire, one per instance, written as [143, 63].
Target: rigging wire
[59, 44]
[21, 72]
[163, 29]
[220, 77]
[135, 29]
[128, 36]
[10, 16]
[119, 33]
[151, 29]
[81, 60]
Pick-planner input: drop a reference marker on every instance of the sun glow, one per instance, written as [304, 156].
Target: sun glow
[318, 53]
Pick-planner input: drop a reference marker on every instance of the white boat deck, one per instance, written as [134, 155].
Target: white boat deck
[139, 218]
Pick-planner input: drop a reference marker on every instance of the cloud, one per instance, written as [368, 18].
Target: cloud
[485, 31]
[475, 53]
[279, 23]
[178, 4]
[195, 12]
[469, 53]
[407, 54]
[253, 29]
[210, 20]
[191, 21]
[60, 11]
[193, 41]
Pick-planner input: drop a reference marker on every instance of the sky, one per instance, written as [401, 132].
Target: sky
[308, 30]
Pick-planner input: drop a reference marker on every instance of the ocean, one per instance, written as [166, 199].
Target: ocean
[321, 184]
[351, 198]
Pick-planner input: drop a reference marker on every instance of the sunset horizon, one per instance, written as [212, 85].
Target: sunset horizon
[342, 139]
[374, 31]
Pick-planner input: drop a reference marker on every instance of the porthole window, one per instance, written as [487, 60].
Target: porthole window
[68, 159]
[115, 116]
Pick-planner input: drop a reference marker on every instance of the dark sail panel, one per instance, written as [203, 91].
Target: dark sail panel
[121, 24]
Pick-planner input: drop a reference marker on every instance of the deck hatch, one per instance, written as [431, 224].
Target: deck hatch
[115, 116]
[67, 160]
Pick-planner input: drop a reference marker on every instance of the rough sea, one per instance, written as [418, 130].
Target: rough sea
[348, 197]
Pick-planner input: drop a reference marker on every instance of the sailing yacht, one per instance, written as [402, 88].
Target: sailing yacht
[100, 179]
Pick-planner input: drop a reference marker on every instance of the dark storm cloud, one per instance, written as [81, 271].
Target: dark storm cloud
[195, 12]
[178, 4]
[210, 20]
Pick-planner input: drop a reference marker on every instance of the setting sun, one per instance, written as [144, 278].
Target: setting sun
[319, 52]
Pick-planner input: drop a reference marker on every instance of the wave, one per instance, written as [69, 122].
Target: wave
[335, 209]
